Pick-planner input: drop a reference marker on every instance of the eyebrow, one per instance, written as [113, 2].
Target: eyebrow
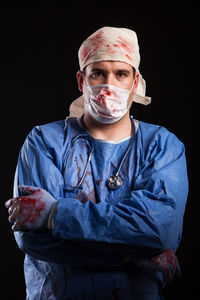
[123, 71]
[102, 70]
[97, 69]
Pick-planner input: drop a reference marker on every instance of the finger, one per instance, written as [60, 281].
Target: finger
[28, 189]
[12, 218]
[17, 226]
[11, 201]
[12, 207]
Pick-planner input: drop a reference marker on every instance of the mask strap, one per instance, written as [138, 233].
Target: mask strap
[130, 104]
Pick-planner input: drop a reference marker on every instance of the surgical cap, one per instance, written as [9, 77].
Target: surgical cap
[117, 44]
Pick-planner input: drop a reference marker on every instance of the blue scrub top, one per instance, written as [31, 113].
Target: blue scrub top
[96, 228]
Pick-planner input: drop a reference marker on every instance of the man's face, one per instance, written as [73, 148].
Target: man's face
[119, 74]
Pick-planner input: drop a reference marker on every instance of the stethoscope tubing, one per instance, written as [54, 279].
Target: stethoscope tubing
[116, 179]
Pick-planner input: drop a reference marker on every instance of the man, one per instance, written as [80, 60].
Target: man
[99, 198]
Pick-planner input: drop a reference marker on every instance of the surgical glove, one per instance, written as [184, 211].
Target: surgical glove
[166, 262]
[30, 212]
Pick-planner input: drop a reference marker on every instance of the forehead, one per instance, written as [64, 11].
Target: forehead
[109, 65]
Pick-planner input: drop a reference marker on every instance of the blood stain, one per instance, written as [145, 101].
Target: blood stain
[125, 45]
[82, 197]
[128, 57]
[31, 209]
[95, 42]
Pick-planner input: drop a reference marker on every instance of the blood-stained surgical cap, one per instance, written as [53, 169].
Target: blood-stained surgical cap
[118, 44]
[107, 44]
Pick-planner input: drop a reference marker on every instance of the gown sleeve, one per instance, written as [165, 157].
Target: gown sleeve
[143, 225]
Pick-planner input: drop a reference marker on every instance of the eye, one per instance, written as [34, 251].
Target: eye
[122, 74]
[96, 74]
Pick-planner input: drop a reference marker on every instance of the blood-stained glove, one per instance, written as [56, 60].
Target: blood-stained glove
[166, 262]
[30, 212]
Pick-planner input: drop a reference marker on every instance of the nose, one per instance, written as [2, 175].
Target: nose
[105, 91]
[110, 79]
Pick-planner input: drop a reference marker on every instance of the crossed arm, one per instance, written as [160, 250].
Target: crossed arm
[143, 226]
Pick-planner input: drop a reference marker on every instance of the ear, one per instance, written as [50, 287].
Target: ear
[80, 78]
[137, 76]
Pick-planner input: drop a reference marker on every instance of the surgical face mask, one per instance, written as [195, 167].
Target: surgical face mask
[106, 103]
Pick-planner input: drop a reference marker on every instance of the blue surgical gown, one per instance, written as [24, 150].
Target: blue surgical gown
[96, 228]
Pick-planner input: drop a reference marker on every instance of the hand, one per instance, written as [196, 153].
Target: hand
[167, 262]
[30, 212]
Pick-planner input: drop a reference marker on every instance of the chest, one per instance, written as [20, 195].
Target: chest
[91, 177]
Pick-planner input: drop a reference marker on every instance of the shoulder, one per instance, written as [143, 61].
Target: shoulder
[49, 129]
[155, 139]
[46, 135]
[54, 134]
[151, 132]
[56, 127]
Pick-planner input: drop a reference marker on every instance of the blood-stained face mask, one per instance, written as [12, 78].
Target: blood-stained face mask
[106, 103]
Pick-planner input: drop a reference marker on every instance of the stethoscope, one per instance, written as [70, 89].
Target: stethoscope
[114, 181]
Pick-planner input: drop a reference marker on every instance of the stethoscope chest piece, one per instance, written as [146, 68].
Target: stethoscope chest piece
[114, 182]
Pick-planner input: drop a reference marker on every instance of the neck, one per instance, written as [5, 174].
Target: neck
[116, 131]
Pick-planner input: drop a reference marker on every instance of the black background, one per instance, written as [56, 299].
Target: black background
[38, 65]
